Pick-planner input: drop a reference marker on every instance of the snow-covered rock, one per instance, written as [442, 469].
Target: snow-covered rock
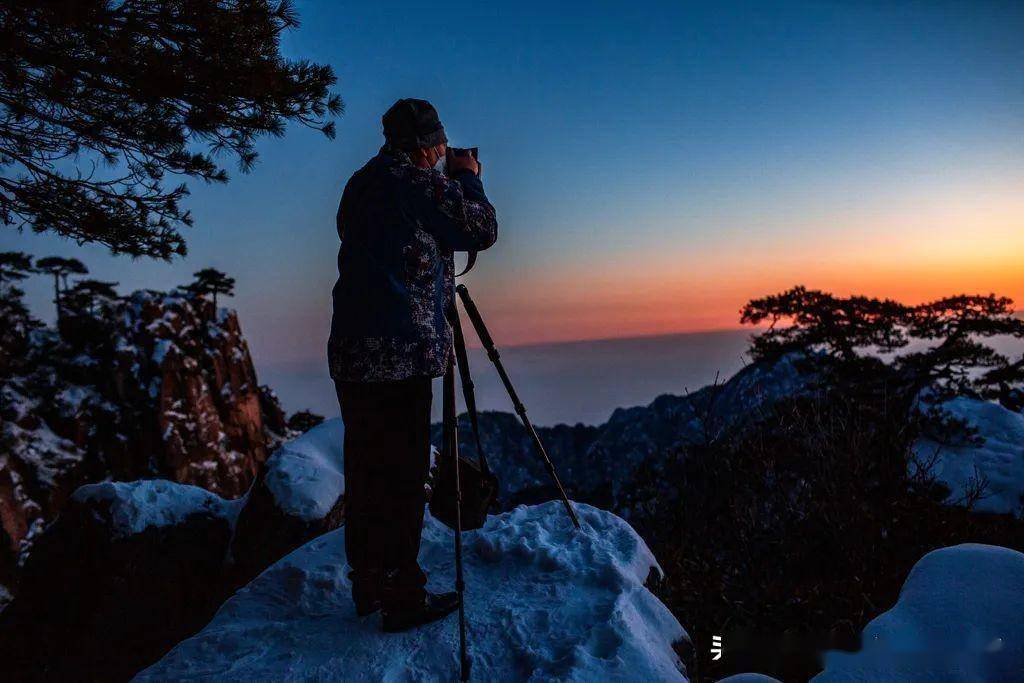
[190, 366]
[135, 506]
[126, 571]
[160, 386]
[998, 459]
[298, 495]
[958, 618]
[544, 602]
[306, 475]
[38, 471]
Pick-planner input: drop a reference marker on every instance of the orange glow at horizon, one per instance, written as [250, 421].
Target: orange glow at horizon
[666, 292]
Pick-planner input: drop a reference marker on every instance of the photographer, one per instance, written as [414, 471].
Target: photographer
[401, 218]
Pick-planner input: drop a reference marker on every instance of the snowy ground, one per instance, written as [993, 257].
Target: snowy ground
[998, 461]
[958, 618]
[545, 603]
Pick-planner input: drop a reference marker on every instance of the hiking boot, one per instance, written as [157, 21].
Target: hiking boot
[432, 608]
[366, 593]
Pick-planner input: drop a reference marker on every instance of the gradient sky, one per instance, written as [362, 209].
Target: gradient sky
[654, 165]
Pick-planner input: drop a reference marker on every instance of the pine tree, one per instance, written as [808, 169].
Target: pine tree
[91, 297]
[850, 337]
[60, 268]
[15, 319]
[820, 321]
[1005, 384]
[15, 323]
[101, 99]
[960, 324]
[14, 267]
[211, 281]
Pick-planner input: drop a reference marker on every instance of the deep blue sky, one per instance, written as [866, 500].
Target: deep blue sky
[653, 164]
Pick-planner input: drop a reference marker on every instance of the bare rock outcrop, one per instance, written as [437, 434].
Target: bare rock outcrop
[190, 366]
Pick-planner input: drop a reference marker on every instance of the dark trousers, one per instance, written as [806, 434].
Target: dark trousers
[387, 458]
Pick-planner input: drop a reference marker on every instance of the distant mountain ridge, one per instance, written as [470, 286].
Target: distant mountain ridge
[598, 463]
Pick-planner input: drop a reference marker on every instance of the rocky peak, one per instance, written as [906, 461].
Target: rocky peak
[159, 385]
[189, 366]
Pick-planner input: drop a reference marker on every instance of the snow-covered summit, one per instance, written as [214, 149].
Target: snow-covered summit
[544, 602]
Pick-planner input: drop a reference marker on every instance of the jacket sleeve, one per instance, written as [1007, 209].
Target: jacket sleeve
[459, 215]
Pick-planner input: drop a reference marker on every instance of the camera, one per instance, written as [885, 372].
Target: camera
[463, 151]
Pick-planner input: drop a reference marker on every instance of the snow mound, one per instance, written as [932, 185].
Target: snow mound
[998, 460]
[137, 505]
[306, 476]
[544, 602]
[958, 618]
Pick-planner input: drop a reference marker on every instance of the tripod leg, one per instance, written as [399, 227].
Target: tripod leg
[451, 445]
[468, 390]
[495, 357]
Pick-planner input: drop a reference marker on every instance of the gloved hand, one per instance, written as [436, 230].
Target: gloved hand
[462, 162]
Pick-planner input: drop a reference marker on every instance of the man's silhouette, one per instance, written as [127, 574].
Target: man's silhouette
[400, 220]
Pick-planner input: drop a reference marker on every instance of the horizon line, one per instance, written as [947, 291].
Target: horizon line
[560, 342]
[625, 337]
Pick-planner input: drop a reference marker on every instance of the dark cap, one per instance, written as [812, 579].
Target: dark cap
[413, 124]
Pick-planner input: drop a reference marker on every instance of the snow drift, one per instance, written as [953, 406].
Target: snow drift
[958, 618]
[544, 602]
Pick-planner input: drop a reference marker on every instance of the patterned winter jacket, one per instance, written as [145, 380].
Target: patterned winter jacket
[399, 226]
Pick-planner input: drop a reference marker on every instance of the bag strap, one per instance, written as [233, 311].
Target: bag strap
[449, 427]
[468, 393]
[470, 262]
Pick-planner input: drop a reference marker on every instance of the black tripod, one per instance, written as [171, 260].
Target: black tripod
[492, 353]
[451, 449]
[451, 440]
